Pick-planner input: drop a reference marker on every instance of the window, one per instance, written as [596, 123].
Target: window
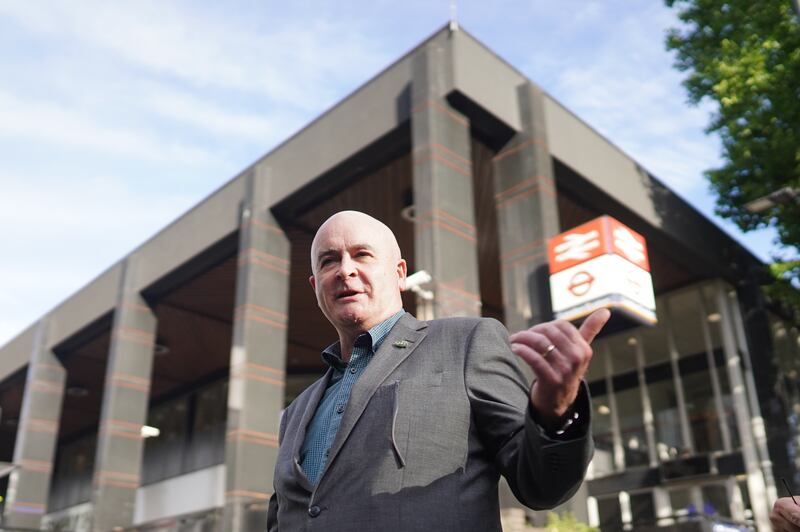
[192, 433]
[163, 455]
[207, 445]
[72, 476]
[666, 418]
[610, 514]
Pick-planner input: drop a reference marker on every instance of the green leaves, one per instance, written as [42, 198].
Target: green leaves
[745, 56]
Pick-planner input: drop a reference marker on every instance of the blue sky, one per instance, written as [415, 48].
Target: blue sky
[116, 117]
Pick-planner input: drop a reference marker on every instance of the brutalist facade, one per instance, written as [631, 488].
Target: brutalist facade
[208, 329]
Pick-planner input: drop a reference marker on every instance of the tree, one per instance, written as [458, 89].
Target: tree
[745, 57]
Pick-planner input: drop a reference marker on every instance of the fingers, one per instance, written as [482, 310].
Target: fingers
[594, 324]
[539, 343]
[537, 362]
[785, 515]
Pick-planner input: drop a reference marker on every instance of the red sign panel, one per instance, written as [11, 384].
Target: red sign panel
[601, 236]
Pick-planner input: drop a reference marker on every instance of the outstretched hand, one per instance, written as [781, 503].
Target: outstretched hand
[785, 515]
[559, 354]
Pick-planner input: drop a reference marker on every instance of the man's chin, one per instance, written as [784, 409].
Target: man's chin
[351, 319]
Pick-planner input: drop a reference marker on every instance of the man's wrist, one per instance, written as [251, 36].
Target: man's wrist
[568, 424]
[553, 425]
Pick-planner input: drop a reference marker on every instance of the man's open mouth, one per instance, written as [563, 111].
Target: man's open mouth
[346, 293]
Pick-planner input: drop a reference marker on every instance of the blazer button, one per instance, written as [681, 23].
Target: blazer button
[314, 511]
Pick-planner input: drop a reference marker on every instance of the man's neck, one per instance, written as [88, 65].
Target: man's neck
[348, 337]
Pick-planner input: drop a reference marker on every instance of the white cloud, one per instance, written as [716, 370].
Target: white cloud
[61, 233]
[188, 109]
[294, 64]
[98, 210]
[623, 86]
[49, 122]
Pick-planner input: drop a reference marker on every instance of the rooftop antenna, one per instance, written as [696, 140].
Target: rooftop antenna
[453, 15]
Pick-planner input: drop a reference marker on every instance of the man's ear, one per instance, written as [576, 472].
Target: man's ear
[402, 270]
[313, 282]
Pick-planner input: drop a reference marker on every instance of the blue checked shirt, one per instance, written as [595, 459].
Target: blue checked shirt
[322, 429]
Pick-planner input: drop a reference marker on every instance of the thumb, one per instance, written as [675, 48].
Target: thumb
[594, 324]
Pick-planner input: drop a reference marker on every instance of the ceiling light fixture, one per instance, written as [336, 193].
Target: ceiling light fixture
[149, 432]
[77, 390]
[160, 350]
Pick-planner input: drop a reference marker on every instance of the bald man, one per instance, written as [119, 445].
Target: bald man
[414, 422]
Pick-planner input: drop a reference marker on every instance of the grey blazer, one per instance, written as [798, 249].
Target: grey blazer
[431, 425]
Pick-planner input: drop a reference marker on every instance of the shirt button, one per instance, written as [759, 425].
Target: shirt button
[353, 370]
[314, 511]
[327, 453]
[340, 409]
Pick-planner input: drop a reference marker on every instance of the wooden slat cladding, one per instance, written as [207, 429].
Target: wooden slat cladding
[486, 226]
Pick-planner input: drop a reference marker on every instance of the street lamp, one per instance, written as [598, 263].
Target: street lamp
[779, 197]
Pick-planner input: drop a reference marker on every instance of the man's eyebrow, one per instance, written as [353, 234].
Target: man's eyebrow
[334, 252]
[326, 252]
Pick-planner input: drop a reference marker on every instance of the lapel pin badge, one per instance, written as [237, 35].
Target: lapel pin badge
[402, 344]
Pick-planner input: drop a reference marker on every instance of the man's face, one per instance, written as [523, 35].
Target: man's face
[357, 272]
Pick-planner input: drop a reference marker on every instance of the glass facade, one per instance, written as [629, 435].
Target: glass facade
[192, 433]
[663, 406]
[192, 437]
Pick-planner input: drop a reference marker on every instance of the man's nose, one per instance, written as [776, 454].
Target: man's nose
[347, 267]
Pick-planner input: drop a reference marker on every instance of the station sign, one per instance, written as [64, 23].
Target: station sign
[601, 264]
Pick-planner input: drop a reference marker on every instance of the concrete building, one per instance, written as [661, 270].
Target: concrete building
[209, 328]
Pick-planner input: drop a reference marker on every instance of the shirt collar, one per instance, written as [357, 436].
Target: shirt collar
[372, 339]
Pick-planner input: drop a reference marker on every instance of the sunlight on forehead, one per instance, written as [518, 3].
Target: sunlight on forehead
[346, 226]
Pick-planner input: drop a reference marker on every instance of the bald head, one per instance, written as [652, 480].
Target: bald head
[357, 272]
[371, 229]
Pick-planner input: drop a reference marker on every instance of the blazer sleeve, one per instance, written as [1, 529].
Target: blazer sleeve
[542, 472]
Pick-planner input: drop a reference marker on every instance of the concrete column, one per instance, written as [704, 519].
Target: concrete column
[527, 214]
[118, 462]
[722, 418]
[37, 434]
[616, 430]
[677, 378]
[647, 407]
[757, 420]
[258, 362]
[445, 240]
[755, 477]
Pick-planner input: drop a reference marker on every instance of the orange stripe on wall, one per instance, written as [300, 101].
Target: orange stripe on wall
[266, 226]
[442, 225]
[431, 104]
[438, 158]
[257, 308]
[247, 494]
[514, 149]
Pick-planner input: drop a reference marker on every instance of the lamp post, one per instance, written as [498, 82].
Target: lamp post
[773, 199]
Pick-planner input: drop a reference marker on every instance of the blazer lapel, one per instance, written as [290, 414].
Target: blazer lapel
[315, 395]
[402, 340]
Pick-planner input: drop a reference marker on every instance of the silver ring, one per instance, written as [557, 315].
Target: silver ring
[550, 348]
